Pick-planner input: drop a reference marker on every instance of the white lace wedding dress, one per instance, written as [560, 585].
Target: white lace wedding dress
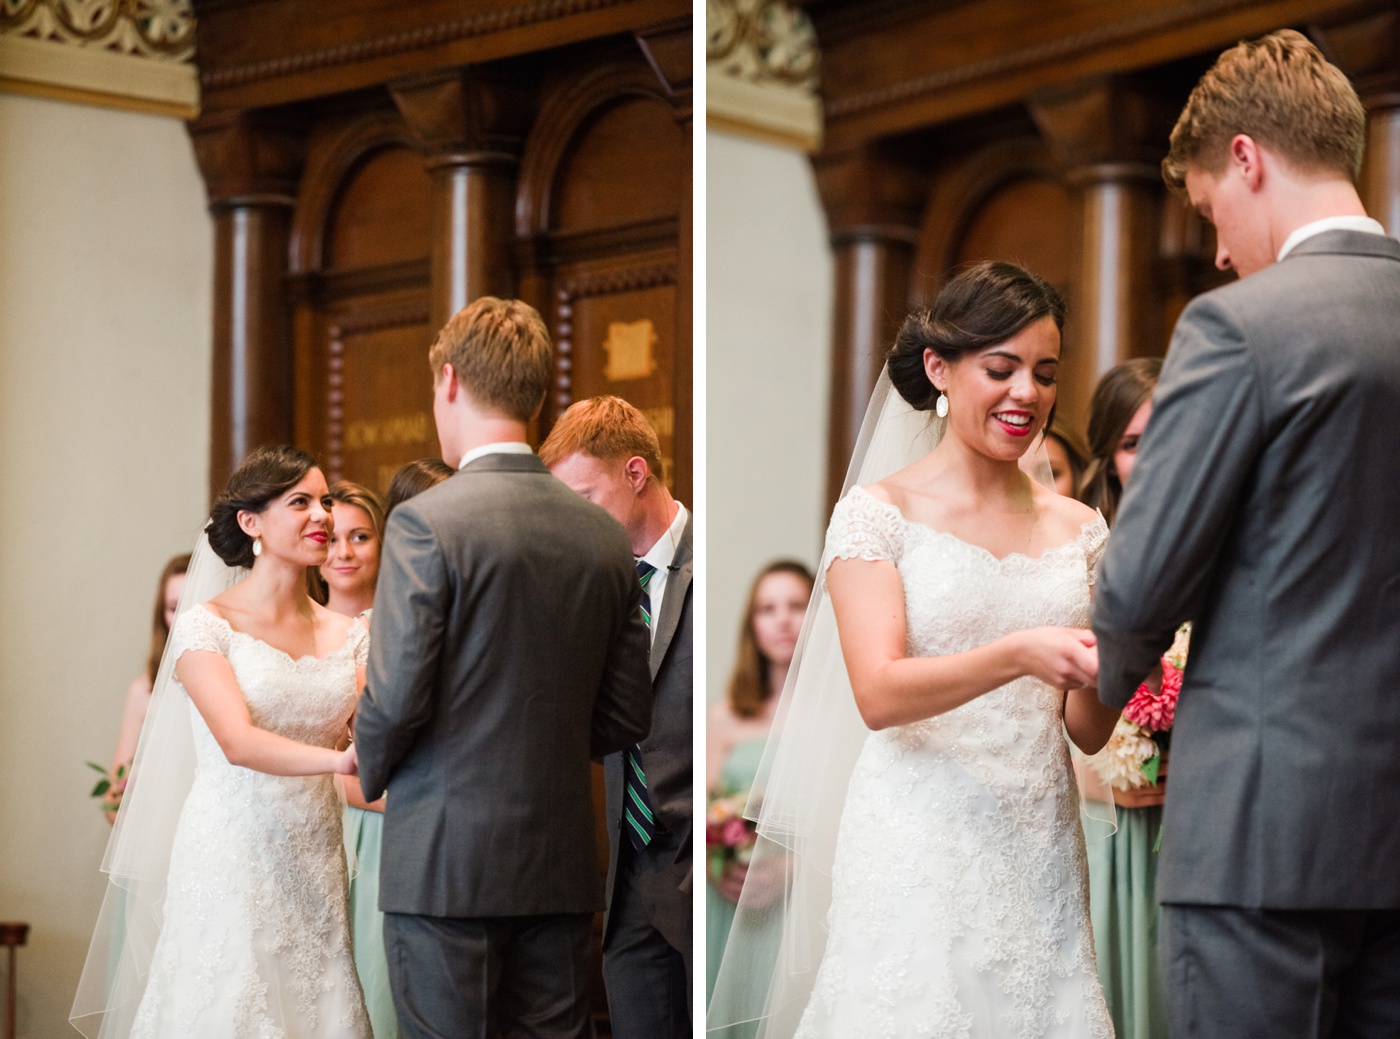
[255, 942]
[959, 888]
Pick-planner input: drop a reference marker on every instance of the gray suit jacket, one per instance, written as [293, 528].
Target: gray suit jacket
[507, 653]
[667, 750]
[1263, 506]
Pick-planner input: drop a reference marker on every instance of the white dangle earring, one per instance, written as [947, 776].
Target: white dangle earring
[257, 542]
[941, 408]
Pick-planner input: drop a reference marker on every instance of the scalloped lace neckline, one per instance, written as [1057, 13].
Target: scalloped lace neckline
[981, 550]
[296, 661]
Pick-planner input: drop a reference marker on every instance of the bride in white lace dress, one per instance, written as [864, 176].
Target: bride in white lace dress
[251, 933]
[958, 890]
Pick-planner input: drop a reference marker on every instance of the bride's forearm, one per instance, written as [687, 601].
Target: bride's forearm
[910, 689]
[264, 751]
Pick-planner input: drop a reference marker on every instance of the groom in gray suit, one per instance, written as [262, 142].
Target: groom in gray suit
[507, 652]
[605, 449]
[1263, 506]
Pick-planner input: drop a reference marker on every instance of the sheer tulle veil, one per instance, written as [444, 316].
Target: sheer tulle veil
[800, 787]
[137, 860]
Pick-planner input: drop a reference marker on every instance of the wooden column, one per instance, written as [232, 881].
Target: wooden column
[469, 124]
[873, 202]
[250, 167]
[1108, 137]
[667, 49]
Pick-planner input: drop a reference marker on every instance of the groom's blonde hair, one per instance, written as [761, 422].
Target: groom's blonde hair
[1283, 93]
[500, 350]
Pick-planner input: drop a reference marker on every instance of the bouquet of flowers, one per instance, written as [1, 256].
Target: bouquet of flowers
[1133, 756]
[729, 837]
[110, 787]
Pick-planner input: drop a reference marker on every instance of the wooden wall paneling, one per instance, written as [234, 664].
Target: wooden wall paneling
[305, 49]
[944, 61]
[360, 285]
[668, 50]
[1109, 135]
[1368, 50]
[873, 199]
[250, 164]
[470, 124]
[599, 208]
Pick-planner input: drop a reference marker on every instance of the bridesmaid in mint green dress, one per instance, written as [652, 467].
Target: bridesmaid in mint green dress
[1123, 869]
[348, 578]
[350, 573]
[738, 729]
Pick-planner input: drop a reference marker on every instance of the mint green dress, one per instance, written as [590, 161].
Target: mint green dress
[364, 833]
[1126, 917]
[737, 774]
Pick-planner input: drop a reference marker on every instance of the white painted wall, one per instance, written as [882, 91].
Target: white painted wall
[106, 268]
[768, 363]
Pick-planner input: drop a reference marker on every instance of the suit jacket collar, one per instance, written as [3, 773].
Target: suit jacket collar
[677, 591]
[1348, 243]
[504, 463]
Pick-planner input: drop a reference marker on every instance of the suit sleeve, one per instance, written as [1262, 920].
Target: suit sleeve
[622, 711]
[1197, 456]
[410, 611]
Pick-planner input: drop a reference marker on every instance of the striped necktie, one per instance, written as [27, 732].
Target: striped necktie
[638, 815]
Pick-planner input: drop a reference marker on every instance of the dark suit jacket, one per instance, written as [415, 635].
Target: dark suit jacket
[506, 654]
[667, 749]
[1263, 505]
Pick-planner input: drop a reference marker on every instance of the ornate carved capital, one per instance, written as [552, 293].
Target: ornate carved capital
[247, 158]
[868, 192]
[135, 54]
[762, 70]
[466, 115]
[667, 49]
[1105, 124]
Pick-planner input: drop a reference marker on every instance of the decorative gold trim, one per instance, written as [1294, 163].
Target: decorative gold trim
[762, 66]
[159, 29]
[86, 75]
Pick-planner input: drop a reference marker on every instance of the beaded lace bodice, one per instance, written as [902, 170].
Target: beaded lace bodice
[255, 940]
[960, 889]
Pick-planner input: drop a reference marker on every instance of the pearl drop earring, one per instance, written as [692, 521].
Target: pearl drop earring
[941, 408]
[257, 546]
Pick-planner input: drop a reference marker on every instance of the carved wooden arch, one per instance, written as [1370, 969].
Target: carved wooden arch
[959, 194]
[325, 176]
[561, 119]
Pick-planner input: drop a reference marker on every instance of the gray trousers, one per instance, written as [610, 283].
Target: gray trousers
[647, 948]
[509, 977]
[1281, 974]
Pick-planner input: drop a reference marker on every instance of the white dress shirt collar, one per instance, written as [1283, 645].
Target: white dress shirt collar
[500, 447]
[1331, 223]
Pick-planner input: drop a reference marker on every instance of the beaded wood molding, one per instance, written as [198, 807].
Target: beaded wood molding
[762, 68]
[129, 54]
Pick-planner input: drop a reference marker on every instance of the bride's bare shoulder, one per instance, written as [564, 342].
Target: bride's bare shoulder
[1065, 513]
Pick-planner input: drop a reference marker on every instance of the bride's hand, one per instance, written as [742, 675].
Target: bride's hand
[1066, 658]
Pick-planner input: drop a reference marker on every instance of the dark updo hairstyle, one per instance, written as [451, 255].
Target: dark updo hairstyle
[413, 479]
[263, 475]
[985, 304]
[1123, 389]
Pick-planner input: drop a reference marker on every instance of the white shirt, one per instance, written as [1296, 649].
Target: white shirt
[500, 447]
[1331, 223]
[660, 556]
